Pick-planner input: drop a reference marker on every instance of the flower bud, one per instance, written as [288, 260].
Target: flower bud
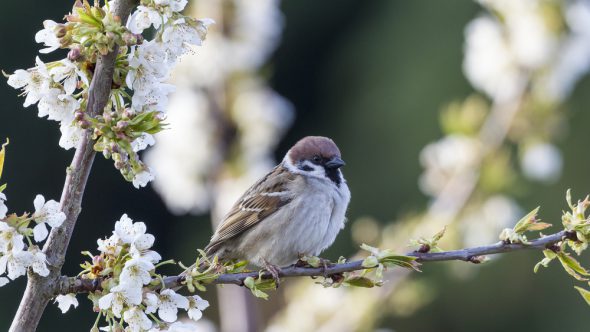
[128, 113]
[97, 260]
[129, 39]
[114, 147]
[119, 164]
[79, 115]
[75, 53]
[139, 38]
[122, 125]
[84, 124]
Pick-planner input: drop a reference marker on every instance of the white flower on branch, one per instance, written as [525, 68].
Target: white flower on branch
[119, 296]
[150, 255]
[151, 303]
[39, 262]
[3, 281]
[142, 142]
[70, 134]
[168, 304]
[133, 233]
[34, 82]
[48, 37]
[178, 35]
[143, 18]
[68, 72]
[46, 213]
[109, 246]
[196, 307]
[3, 207]
[10, 239]
[138, 321]
[173, 5]
[64, 302]
[15, 262]
[142, 179]
[137, 272]
[57, 106]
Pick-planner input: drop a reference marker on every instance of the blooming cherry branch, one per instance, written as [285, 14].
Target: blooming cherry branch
[139, 95]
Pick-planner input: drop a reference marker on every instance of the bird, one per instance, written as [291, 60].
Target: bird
[297, 209]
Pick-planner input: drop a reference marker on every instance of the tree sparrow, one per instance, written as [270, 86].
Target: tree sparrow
[297, 209]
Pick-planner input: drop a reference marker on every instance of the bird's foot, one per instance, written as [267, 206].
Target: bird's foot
[275, 271]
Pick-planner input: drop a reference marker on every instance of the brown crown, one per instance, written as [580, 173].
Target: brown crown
[310, 146]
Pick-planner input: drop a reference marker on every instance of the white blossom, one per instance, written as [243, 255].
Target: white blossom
[137, 320]
[147, 60]
[119, 296]
[48, 37]
[178, 35]
[196, 307]
[10, 239]
[57, 106]
[150, 255]
[142, 142]
[39, 262]
[137, 272]
[46, 213]
[3, 207]
[181, 327]
[34, 82]
[151, 303]
[70, 134]
[64, 302]
[109, 246]
[68, 72]
[175, 5]
[168, 305]
[142, 179]
[3, 281]
[133, 233]
[15, 262]
[144, 17]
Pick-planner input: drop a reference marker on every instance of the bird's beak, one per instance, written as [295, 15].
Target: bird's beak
[335, 163]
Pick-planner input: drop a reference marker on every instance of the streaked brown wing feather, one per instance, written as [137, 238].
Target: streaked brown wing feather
[260, 201]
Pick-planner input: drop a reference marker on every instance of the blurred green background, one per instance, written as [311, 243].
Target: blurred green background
[373, 75]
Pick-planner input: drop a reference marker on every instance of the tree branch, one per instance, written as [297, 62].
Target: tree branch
[41, 289]
[77, 285]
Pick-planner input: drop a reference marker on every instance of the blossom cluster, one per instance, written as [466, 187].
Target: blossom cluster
[139, 94]
[16, 256]
[132, 293]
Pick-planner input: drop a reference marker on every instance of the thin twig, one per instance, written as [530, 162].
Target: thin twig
[41, 289]
[77, 285]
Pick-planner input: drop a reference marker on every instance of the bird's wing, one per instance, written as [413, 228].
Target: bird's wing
[263, 199]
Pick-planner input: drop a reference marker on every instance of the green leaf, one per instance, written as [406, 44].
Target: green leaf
[568, 198]
[2, 154]
[530, 223]
[572, 266]
[361, 282]
[585, 294]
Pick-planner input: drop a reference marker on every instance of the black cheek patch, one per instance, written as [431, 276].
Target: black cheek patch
[306, 168]
[334, 175]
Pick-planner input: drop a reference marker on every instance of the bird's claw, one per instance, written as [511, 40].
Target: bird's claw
[275, 271]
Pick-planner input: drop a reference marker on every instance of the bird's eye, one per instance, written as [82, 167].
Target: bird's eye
[316, 159]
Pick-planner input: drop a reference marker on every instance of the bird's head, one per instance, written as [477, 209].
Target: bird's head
[316, 156]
